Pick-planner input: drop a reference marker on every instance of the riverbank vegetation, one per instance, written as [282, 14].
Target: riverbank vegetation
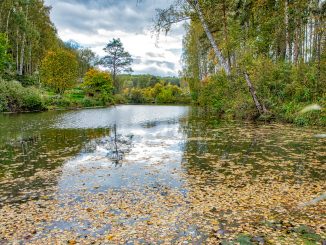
[68, 78]
[250, 59]
[38, 71]
[144, 89]
[254, 60]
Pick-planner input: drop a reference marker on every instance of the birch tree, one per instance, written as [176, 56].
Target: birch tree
[178, 12]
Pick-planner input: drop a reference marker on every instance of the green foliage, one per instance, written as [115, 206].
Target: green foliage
[275, 43]
[29, 33]
[59, 70]
[136, 95]
[14, 97]
[72, 98]
[29, 80]
[165, 96]
[5, 58]
[160, 93]
[86, 58]
[286, 91]
[117, 60]
[32, 100]
[308, 235]
[213, 93]
[99, 84]
[120, 99]
[169, 94]
[146, 80]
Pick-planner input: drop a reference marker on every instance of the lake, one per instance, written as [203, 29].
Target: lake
[143, 174]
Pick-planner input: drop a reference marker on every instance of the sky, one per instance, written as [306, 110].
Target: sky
[93, 23]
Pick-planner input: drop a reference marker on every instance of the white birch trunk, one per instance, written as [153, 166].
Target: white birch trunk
[287, 34]
[210, 37]
[22, 55]
[260, 107]
[17, 52]
[7, 24]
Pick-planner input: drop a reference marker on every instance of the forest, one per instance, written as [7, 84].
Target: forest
[268, 56]
[120, 143]
[38, 71]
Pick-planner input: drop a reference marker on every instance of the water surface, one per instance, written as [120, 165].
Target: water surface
[172, 168]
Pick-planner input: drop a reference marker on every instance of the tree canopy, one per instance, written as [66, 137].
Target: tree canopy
[29, 31]
[5, 58]
[59, 69]
[98, 83]
[267, 47]
[117, 59]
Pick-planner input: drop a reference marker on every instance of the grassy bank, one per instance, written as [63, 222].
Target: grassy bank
[14, 97]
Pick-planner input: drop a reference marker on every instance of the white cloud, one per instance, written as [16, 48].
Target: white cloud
[93, 24]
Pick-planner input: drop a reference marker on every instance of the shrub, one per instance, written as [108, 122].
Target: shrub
[87, 102]
[32, 100]
[165, 96]
[284, 89]
[136, 95]
[14, 97]
[120, 99]
[214, 93]
[28, 80]
[160, 93]
[99, 84]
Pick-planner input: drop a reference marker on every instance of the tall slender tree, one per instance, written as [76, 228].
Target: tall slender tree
[117, 60]
[191, 8]
[29, 31]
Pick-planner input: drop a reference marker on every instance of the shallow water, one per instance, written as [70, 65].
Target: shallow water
[206, 169]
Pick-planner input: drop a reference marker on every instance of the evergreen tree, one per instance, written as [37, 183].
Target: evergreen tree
[117, 60]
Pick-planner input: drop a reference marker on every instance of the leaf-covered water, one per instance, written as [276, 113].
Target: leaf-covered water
[158, 174]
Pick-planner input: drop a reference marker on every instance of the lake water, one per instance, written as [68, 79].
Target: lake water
[157, 174]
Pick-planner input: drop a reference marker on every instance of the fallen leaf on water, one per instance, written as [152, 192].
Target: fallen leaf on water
[110, 237]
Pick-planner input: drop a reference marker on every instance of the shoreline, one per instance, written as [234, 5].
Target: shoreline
[271, 120]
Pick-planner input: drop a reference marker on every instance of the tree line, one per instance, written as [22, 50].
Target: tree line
[244, 58]
[275, 49]
[29, 33]
[39, 71]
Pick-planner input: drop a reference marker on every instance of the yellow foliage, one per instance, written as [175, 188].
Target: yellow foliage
[98, 82]
[59, 70]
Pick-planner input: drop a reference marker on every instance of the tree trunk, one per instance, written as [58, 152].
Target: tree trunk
[260, 107]
[217, 51]
[114, 77]
[17, 53]
[311, 37]
[22, 54]
[287, 34]
[7, 25]
[319, 40]
[30, 70]
[296, 44]
[226, 34]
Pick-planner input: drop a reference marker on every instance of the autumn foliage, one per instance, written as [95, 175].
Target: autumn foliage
[99, 84]
[59, 70]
